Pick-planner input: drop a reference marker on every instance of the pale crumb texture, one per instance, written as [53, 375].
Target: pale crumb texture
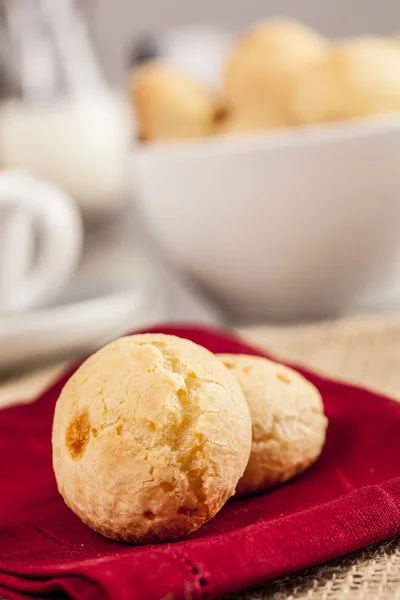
[288, 420]
[150, 437]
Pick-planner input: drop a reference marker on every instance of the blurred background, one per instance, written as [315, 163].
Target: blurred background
[212, 162]
[119, 23]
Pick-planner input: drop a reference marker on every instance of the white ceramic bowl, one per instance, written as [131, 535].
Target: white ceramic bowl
[287, 224]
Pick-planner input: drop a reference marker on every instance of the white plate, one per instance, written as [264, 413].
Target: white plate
[115, 290]
[73, 328]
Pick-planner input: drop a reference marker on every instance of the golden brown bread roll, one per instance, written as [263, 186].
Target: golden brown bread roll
[288, 421]
[170, 105]
[150, 437]
[356, 78]
[239, 123]
[262, 66]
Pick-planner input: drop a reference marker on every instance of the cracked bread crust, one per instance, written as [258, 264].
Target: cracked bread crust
[288, 421]
[150, 437]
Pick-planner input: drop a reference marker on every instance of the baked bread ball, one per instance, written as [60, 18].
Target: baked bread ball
[356, 78]
[150, 437]
[288, 421]
[169, 104]
[239, 123]
[264, 63]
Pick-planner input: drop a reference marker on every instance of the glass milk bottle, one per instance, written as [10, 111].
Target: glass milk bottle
[62, 121]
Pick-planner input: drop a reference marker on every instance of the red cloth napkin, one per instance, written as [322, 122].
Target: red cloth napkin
[349, 499]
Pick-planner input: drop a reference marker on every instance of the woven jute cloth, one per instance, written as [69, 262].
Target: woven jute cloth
[364, 351]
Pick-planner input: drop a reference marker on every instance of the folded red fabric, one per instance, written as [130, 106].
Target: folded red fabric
[349, 499]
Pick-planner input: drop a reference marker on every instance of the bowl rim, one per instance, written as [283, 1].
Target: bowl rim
[293, 137]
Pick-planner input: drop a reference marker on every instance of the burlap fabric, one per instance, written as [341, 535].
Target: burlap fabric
[362, 350]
